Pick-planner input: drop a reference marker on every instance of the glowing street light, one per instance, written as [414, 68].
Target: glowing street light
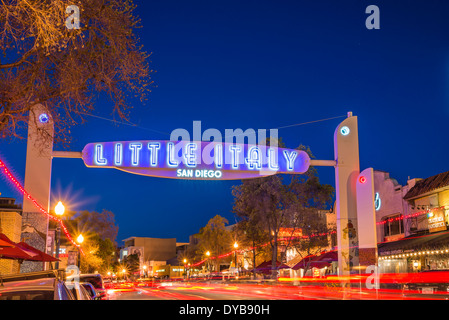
[208, 265]
[236, 245]
[186, 270]
[80, 240]
[59, 210]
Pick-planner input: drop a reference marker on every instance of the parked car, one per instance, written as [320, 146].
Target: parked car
[90, 289]
[34, 286]
[429, 282]
[96, 280]
[80, 292]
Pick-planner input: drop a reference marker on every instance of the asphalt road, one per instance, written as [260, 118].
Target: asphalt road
[209, 291]
[238, 291]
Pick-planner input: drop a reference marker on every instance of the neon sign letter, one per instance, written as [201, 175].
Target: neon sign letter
[218, 155]
[118, 154]
[190, 155]
[154, 148]
[135, 150]
[272, 163]
[171, 162]
[254, 161]
[235, 150]
[290, 158]
[99, 160]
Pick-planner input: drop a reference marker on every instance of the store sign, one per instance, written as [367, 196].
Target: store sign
[289, 232]
[436, 220]
[377, 201]
[195, 160]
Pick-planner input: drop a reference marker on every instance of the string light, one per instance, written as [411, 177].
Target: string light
[17, 184]
[412, 215]
[432, 252]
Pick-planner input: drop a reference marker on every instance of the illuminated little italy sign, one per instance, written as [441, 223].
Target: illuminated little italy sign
[202, 160]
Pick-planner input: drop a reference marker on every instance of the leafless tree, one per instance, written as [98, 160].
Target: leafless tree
[66, 70]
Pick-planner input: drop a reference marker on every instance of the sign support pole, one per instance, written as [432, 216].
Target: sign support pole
[346, 152]
[37, 182]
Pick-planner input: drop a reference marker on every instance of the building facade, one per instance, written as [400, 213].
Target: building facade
[412, 223]
[11, 226]
[152, 252]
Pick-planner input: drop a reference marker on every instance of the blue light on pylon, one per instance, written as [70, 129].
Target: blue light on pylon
[44, 118]
[345, 131]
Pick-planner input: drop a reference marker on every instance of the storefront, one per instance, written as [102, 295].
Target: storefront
[415, 253]
[168, 272]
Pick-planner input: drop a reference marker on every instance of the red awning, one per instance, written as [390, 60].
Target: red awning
[3, 243]
[266, 266]
[14, 253]
[306, 261]
[329, 256]
[314, 261]
[31, 253]
[40, 256]
[11, 250]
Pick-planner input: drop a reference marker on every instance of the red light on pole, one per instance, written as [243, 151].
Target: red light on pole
[362, 179]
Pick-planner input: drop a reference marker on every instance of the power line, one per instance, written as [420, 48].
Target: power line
[166, 133]
[303, 123]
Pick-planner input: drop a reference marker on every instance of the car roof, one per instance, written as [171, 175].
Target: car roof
[87, 283]
[36, 284]
[85, 275]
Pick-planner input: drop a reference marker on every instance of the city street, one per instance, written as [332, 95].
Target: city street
[244, 291]
[238, 151]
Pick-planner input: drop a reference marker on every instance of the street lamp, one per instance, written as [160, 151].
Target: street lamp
[80, 240]
[123, 271]
[144, 270]
[59, 210]
[208, 265]
[236, 245]
[185, 269]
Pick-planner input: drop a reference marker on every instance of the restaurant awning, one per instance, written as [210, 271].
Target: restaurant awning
[3, 243]
[21, 251]
[266, 266]
[12, 251]
[40, 256]
[317, 261]
[328, 256]
[434, 241]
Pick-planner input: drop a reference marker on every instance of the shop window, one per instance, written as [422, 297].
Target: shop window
[393, 225]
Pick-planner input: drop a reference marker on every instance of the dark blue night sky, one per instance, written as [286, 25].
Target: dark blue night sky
[267, 64]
